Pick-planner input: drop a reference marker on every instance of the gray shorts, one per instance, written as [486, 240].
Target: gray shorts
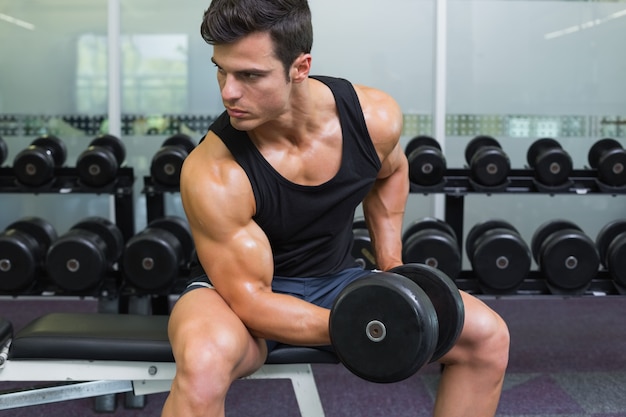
[321, 291]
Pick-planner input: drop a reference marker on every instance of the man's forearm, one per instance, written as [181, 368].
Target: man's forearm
[384, 210]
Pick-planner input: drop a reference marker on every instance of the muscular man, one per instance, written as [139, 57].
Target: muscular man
[270, 195]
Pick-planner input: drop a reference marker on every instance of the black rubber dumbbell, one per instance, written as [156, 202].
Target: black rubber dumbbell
[611, 244]
[98, 164]
[4, 151]
[34, 166]
[551, 163]
[387, 325]
[566, 256]
[168, 160]
[362, 249]
[23, 248]
[489, 164]
[154, 257]
[499, 256]
[609, 158]
[80, 259]
[427, 164]
[432, 242]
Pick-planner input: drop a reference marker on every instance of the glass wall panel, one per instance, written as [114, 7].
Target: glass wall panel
[170, 85]
[524, 70]
[53, 82]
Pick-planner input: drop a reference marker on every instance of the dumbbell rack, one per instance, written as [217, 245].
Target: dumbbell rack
[66, 181]
[457, 184]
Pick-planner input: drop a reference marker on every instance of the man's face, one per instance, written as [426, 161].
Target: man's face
[252, 81]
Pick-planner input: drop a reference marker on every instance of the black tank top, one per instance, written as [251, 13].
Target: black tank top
[310, 227]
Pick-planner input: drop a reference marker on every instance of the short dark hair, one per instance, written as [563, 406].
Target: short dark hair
[287, 21]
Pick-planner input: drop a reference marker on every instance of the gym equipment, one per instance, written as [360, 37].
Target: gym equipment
[4, 151]
[489, 164]
[362, 249]
[611, 244]
[168, 160]
[551, 163]
[98, 164]
[34, 166]
[386, 326]
[566, 256]
[80, 259]
[609, 158]
[427, 164]
[499, 256]
[432, 242]
[446, 299]
[99, 354]
[153, 258]
[23, 247]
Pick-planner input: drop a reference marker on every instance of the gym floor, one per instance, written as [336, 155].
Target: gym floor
[567, 359]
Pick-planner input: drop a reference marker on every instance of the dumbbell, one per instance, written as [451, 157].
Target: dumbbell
[611, 244]
[427, 164]
[566, 256]
[4, 151]
[499, 256]
[551, 163]
[168, 160]
[81, 258]
[153, 258]
[609, 158]
[489, 164]
[35, 165]
[23, 247]
[432, 242]
[98, 164]
[386, 326]
[362, 249]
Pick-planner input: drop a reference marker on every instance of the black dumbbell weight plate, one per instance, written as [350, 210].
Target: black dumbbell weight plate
[617, 259]
[77, 261]
[108, 232]
[428, 223]
[362, 249]
[480, 228]
[17, 260]
[166, 165]
[383, 327]
[114, 144]
[421, 140]
[446, 299]
[180, 140]
[501, 260]
[491, 167]
[553, 167]
[545, 230]
[606, 235]
[569, 259]
[43, 232]
[599, 148]
[538, 147]
[33, 167]
[180, 229]
[56, 146]
[612, 167]
[97, 166]
[432, 242]
[427, 166]
[479, 142]
[151, 259]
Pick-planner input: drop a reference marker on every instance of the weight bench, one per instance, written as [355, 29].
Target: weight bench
[95, 354]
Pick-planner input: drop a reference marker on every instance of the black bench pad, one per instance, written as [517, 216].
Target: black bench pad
[6, 331]
[119, 337]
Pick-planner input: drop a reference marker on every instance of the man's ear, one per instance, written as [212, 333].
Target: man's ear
[300, 68]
